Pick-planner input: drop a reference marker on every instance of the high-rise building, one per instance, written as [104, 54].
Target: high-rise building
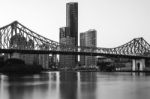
[64, 32]
[66, 61]
[88, 39]
[69, 35]
[72, 20]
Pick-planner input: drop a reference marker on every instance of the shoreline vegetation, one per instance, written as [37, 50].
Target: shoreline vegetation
[18, 66]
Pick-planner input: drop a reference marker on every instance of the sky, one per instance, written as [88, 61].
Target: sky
[116, 21]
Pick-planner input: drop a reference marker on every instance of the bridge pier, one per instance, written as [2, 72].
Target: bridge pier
[138, 64]
[15, 55]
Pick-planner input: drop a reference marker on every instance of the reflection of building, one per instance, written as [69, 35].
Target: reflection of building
[69, 34]
[87, 91]
[24, 92]
[68, 86]
[88, 39]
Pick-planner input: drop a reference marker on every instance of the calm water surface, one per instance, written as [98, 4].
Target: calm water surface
[76, 85]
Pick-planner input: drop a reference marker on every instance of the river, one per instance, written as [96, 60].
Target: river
[76, 85]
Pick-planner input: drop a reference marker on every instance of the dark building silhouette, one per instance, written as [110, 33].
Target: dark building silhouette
[69, 35]
[72, 20]
[64, 32]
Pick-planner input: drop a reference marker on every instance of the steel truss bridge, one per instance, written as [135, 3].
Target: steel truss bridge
[16, 37]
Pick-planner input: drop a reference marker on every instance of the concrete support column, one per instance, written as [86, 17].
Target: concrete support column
[133, 64]
[9, 56]
[15, 55]
[142, 64]
[138, 64]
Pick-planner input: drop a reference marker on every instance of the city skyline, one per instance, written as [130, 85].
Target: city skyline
[116, 21]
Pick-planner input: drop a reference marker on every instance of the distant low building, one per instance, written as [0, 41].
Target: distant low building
[44, 58]
[113, 64]
[18, 41]
[53, 62]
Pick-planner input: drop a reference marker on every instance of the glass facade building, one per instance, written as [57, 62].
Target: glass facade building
[88, 39]
[69, 35]
[72, 20]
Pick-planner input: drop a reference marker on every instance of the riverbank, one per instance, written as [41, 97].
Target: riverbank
[17, 66]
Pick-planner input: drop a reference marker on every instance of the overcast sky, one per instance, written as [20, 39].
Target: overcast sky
[116, 21]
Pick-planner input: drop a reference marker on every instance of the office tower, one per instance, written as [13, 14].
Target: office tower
[72, 20]
[66, 61]
[88, 39]
[69, 35]
[64, 32]
[72, 23]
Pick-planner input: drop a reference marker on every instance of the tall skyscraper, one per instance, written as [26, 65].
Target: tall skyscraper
[69, 35]
[89, 39]
[72, 20]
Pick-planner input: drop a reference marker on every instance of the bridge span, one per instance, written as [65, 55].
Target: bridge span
[11, 51]
[16, 38]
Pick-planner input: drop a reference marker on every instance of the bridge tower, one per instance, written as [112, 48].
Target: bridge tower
[138, 64]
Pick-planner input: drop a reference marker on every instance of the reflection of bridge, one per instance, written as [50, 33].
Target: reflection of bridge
[17, 38]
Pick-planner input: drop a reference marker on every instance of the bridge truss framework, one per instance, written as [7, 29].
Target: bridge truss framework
[15, 37]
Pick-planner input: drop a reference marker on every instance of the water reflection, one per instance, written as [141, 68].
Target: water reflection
[25, 87]
[140, 74]
[76, 85]
[68, 85]
[87, 85]
[30, 87]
